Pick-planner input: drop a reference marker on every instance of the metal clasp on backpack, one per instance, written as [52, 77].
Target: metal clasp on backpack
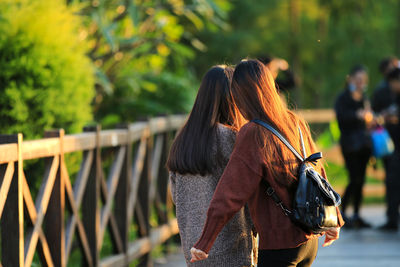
[270, 191]
[285, 210]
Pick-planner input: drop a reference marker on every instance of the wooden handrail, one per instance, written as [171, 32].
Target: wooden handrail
[318, 115]
[47, 147]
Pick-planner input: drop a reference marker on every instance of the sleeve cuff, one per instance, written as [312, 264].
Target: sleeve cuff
[208, 237]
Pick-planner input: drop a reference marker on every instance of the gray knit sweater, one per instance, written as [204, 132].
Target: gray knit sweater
[192, 195]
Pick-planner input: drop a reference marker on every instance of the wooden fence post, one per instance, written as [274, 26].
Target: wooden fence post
[54, 218]
[122, 195]
[143, 205]
[162, 182]
[91, 198]
[169, 138]
[12, 218]
[162, 187]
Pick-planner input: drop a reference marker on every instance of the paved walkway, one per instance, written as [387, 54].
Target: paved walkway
[366, 248]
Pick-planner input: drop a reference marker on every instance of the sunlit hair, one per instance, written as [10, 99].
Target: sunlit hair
[191, 151]
[255, 94]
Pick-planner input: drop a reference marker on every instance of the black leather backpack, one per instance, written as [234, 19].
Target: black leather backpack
[314, 206]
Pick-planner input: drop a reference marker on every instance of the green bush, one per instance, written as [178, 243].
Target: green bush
[162, 94]
[46, 79]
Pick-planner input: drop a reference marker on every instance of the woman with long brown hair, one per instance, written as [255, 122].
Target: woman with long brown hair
[258, 154]
[196, 162]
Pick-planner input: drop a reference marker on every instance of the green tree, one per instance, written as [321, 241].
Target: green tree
[46, 79]
[321, 39]
[143, 51]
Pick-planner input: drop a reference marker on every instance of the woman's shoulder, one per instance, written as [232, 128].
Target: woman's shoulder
[224, 129]
[248, 130]
[226, 134]
[246, 140]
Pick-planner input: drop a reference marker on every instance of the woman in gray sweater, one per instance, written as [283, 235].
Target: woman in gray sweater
[196, 162]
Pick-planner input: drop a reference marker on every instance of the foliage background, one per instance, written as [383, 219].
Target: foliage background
[143, 52]
[46, 79]
[151, 54]
[120, 60]
[321, 39]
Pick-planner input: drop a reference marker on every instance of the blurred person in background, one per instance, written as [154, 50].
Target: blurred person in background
[280, 71]
[383, 96]
[392, 123]
[354, 118]
[283, 76]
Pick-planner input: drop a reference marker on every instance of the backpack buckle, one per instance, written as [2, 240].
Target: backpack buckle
[270, 191]
[285, 210]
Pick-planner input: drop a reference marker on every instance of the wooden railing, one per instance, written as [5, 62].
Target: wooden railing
[318, 115]
[121, 186]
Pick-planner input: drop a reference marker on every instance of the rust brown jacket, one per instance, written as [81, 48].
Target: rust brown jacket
[241, 184]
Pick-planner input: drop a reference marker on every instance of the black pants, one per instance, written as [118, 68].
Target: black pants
[303, 256]
[356, 164]
[393, 188]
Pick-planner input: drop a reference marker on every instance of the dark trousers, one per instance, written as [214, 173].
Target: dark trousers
[393, 188]
[302, 256]
[356, 164]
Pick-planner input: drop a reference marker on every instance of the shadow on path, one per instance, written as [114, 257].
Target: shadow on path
[366, 248]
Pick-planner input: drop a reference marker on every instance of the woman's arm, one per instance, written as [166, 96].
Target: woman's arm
[238, 183]
[236, 186]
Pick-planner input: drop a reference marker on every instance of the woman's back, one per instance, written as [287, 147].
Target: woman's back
[192, 195]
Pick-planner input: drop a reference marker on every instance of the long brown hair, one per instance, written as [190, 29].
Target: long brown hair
[192, 148]
[255, 94]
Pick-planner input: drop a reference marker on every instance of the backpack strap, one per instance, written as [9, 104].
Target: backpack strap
[302, 144]
[312, 158]
[270, 191]
[283, 139]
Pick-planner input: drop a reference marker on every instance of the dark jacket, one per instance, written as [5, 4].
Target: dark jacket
[354, 134]
[382, 98]
[394, 129]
